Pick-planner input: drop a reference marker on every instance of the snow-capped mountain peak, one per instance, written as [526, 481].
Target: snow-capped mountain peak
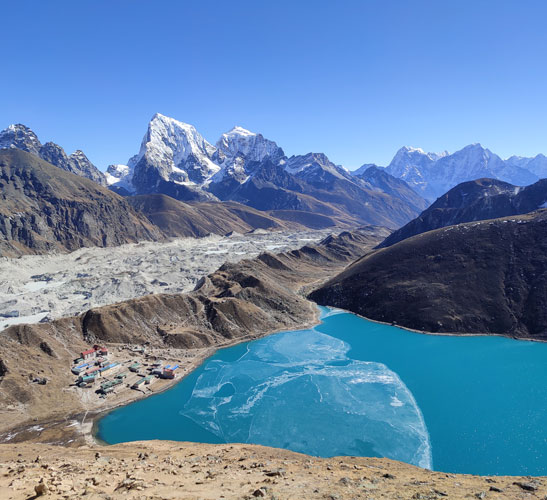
[239, 149]
[21, 137]
[433, 174]
[313, 166]
[240, 131]
[246, 144]
[176, 151]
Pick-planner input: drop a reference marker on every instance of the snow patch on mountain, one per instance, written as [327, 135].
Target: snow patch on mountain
[304, 166]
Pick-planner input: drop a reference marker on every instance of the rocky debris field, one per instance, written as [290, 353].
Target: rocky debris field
[40, 287]
[168, 470]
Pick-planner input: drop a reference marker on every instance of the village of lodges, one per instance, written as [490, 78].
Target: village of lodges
[95, 368]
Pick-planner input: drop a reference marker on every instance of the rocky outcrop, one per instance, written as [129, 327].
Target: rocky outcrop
[21, 137]
[471, 201]
[483, 277]
[43, 208]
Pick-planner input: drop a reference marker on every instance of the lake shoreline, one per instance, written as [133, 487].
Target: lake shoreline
[92, 436]
[451, 355]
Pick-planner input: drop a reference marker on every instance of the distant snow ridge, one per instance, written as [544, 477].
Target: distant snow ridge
[312, 165]
[433, 174]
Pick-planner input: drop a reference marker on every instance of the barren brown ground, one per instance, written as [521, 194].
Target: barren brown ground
[168, 470]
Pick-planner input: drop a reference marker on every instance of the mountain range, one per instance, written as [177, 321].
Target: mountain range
[245, 167]
[175, 160]
[432, 174]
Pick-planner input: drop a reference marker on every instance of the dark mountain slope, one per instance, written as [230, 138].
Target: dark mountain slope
[479, 277]
[44, 208]
[177, 218]
[474, 200]
[271, 187]
[378, 178]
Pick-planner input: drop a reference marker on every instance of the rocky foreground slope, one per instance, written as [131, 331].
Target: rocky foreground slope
[168, 470]
[43, 208]
[238, 302]
[480, 277]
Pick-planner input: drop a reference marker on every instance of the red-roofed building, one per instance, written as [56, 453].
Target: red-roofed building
[90, 353]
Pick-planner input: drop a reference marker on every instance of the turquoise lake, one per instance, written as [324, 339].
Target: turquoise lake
[354, 387]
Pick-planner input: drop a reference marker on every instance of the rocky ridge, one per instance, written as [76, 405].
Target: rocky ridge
[474, 200]
[168, 470]
[197, 219]
[21, 137]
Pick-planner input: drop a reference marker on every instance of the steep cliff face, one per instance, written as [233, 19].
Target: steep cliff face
[480, 277]
[43, 208]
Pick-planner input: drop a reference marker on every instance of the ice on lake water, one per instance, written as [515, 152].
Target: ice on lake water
[302, 392]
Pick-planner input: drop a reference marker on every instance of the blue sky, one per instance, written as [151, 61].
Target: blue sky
[353, 79]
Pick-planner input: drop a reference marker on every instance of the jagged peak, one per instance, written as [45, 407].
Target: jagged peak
[79, 154]
[51, 145]
[159, 119]
[19, 126]
[474, 145]
[410, 149]
[240, 131]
